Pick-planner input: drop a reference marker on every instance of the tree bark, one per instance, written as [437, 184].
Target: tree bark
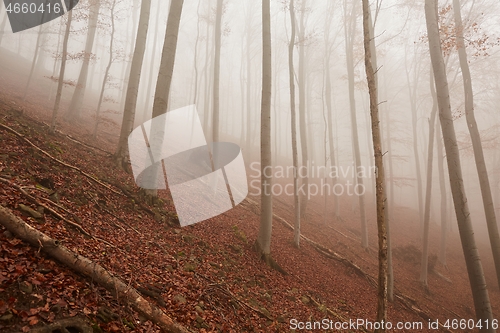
[74, 112]
[266, 214]
[121, 154]
[162, 92]
[473, 262]
[379, 164]
[106, 72]
[350, 31]
[296, 201]
[88, 268]
[428, 192]
[216, 87]
[482, 171]
[60, 84]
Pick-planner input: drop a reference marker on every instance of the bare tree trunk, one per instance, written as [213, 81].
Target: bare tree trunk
[379, 164]
[413, 104]
[147, 103]
[482, 171]
[60, 84]
[296, 201]
[442, 191]
[2, 27]
[121, 154]
[216, 87]
[428, 191]
[471, 253]
[162, 92]
[302, 111]
[106, 72]
[263, 243]
[350, 31]
[35, 56]
[248, 139]
[329, 109]
[74, 112]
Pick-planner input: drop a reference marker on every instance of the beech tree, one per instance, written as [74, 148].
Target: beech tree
[162, 92]
[106, 72]
[62, 70]
[473, 262]
[482, 171]
[121, 153]
[350, 32]
[379, 164]
[74, 111]
[263, 243]
[216, 84]
[291, 76]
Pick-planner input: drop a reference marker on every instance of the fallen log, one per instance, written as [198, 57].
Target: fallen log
[88, 268]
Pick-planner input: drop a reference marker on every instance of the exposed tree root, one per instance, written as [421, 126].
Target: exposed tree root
[333, 313]
[268, 259]
[88, 268]
[22, 137]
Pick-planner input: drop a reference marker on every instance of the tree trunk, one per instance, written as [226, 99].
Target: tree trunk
[263, 243]
[162, 92]
[428, 191]
[471, 253]
[302, 111]
[413, 104]
[106, 72]
[60, 84]
[74, 112]
[442, 192]
[350, 31]
[88, 268]
[121, 154]
[33, 63]
[379, 164]
[296, 201]
[147, 103]
[482, 171]
[216, 87]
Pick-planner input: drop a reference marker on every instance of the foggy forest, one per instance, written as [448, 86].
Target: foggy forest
[249, 166]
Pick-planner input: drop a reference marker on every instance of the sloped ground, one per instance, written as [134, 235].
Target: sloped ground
[205, 276]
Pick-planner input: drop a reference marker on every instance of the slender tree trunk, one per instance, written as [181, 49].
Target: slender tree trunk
[147, 103]
[162, 92]
[248, 145]
[60, 84]
[428, 192]
[216, 84]
[121, 154]
[296, 201]
[329, 109]
[263, 243]
[379, 163]
[195, 62]
[442, 191]
[35, 55]
[2, 27]
[350, 31]
[74, 112]
[471, 253]
[106, 72]
[413, 105]
[302, 111]
[482, 171]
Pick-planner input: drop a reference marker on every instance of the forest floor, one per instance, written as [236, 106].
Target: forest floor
[206, 276]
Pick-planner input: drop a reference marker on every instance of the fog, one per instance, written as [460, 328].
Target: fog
[403, 69]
